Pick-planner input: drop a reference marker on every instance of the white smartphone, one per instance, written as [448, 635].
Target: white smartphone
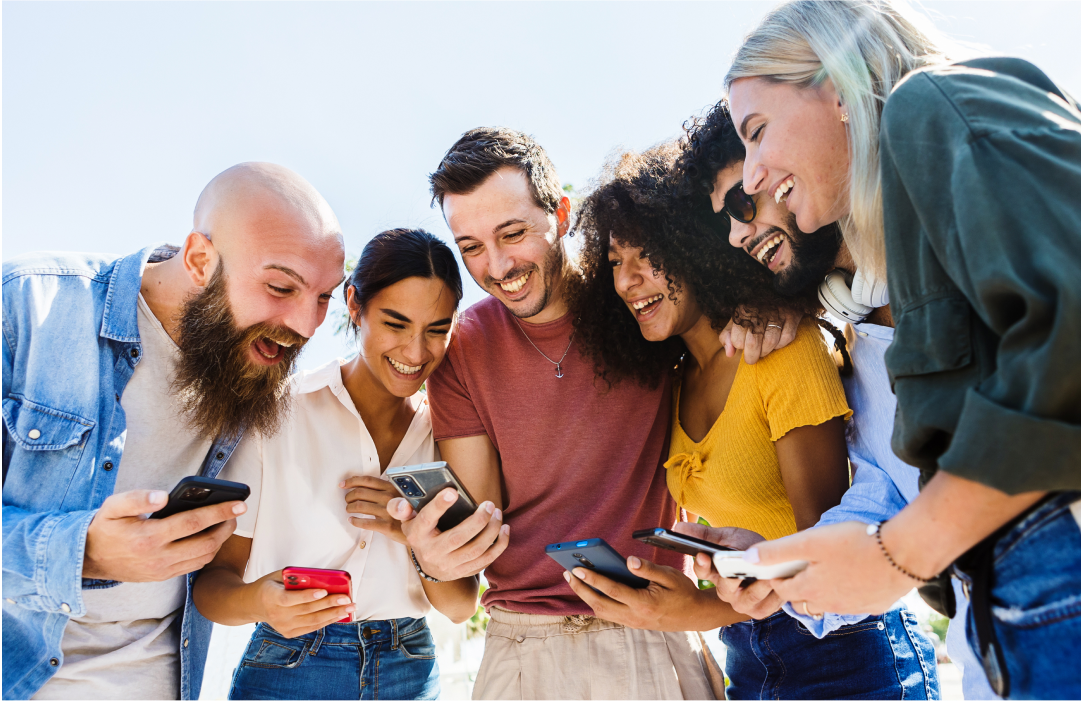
[731, 565]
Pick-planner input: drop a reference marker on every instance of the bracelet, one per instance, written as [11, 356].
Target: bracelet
[421, 572]
[875, 529]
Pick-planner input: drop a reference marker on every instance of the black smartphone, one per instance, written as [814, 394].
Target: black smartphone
[195, 492]
[419, 484]
[597, 555]
[670, 540]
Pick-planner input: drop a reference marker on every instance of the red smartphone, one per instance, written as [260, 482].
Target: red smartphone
[334, 581]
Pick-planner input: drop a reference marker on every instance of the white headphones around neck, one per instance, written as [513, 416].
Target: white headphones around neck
[852, 297]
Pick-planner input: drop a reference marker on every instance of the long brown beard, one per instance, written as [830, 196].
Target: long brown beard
[220, 389]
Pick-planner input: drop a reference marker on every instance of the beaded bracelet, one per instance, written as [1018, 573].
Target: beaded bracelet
[875, 529]
[421, 572]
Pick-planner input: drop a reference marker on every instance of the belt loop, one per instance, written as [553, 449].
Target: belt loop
[393, 633]
[318, 642]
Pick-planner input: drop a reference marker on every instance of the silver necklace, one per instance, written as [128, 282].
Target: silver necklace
[559, 363]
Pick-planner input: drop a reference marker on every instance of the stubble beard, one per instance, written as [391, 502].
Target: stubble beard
[550, 271]
[813, 255]
[220, 390]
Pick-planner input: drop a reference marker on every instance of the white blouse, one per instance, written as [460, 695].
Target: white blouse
[296, 512]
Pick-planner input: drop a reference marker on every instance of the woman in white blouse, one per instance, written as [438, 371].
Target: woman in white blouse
[350, 421]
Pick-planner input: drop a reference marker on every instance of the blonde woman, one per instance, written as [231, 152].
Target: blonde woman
[964, 178]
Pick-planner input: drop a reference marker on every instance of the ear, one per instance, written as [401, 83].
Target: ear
[563, 216]
[352, 305]
[200, 258]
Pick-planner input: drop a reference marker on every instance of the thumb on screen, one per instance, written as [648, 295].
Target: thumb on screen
[133, 503]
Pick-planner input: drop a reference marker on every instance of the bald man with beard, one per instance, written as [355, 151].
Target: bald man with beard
[122, 376]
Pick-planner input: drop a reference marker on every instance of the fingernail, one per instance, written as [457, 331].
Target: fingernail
[579, 572]
[488, 506]
[751, 555]
[157, 497]
[450, 496]
[350, 609]
[567, 576]
[497, 515]
[341, 484]
[318, 594]
[633, 562]
[342, 600]
[702, 559]
[505, 530]
[240, 508]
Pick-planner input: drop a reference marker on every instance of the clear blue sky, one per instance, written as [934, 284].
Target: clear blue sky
[116, 114]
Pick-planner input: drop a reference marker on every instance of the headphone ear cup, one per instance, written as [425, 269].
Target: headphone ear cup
[835, 296]
[869, 291]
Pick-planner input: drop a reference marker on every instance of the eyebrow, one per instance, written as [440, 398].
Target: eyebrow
[743, 124]
[288, 271]
[403, 318]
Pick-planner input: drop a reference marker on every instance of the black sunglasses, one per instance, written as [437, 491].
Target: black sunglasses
[739, 205]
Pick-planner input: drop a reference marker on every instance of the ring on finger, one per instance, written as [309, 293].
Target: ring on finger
[774, 326]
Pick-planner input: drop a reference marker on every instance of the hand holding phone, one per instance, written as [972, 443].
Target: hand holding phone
[679, 542]
[597, 555]
[731, 565]
[419, 485]
[457, 551]
[123, 545]
[196, 492]
[366, 503]
[296, 601]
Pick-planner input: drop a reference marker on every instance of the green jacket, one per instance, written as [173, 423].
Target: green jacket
[981, 192]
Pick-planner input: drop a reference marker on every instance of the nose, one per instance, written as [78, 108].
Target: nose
[741, 234]
[499, 264]
[415, 352]
[627, 277]
[754, 173]
[306, 318]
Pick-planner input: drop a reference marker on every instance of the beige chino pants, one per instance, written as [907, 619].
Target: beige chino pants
[561, 657]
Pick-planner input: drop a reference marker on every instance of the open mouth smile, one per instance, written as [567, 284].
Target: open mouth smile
[515, 286]
[269, 349]
[767, 252]
[780, 193]
[645, 306]
[402, 368]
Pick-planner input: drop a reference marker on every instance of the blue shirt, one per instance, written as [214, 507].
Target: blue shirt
[71, 343]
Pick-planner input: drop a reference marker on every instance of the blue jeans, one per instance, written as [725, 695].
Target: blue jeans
[392, 659]
[1036, 602]
[881, 657]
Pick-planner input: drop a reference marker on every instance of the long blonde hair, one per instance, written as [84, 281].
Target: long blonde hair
[865, 47]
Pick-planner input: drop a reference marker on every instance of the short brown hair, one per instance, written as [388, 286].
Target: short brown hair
[484, 150]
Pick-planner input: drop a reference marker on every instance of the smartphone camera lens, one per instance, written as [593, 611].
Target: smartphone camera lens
[195, 494]
[409, 487]
[584, 561]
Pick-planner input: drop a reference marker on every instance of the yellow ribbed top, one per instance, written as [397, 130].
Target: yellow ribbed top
[732, 477]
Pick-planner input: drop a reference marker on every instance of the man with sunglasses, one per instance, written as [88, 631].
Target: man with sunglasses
[800, 262]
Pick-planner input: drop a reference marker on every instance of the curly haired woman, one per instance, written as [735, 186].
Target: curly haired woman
[758, 447]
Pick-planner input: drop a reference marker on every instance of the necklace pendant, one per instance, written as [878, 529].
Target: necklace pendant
[559, 370]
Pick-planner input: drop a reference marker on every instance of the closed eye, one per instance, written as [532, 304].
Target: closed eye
[393, 325]
[280, 290]
[757, 132]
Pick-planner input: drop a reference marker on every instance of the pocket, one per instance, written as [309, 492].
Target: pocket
[870, 623]
[37, 427]
[269, 650]
[934, 337]
[418, 645]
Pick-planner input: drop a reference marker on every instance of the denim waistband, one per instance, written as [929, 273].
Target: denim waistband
[390, 632]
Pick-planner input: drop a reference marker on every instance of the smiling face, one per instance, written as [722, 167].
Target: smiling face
[646, 294]
[509, 244]
[773, 238]
[797, 148]
[404, 330]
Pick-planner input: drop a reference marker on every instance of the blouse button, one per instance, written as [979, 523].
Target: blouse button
[33, 434]
[363, 545]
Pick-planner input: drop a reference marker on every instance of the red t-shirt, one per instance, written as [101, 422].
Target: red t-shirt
[579, 460]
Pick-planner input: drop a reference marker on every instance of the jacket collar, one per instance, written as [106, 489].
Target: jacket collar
[120, 321]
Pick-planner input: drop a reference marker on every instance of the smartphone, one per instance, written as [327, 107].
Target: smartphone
[597, 555]
[731, 565]
[670, 540]
[195, 492]
[419, 484]
[334, 581]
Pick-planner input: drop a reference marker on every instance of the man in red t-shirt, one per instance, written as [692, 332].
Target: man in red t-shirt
[555, 454]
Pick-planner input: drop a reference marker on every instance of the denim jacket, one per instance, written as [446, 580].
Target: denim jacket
[71, 343]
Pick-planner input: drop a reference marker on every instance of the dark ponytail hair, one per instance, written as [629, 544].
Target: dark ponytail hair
[394, 255]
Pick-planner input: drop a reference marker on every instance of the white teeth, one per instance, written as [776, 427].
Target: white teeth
[769, 246]
[783, 188]
[646, 302]
[265, 355]
[405, 369]
[514, 285]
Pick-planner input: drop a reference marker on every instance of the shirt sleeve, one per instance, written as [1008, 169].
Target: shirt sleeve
[799, 384]
[1002, 215]
[454, 415]
[246, 466]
